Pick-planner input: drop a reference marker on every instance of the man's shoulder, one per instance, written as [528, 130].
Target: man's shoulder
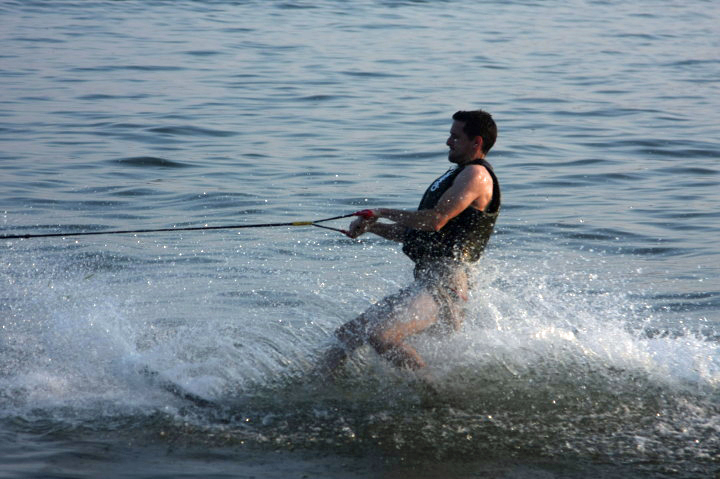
[474, 172]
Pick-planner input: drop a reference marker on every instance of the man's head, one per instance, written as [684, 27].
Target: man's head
[478, 127]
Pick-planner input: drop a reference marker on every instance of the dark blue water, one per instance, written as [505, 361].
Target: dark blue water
[592, 347]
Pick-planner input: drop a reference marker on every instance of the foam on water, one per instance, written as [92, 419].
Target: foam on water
[553, 359]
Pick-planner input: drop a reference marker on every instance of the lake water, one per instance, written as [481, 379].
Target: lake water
[592, 348]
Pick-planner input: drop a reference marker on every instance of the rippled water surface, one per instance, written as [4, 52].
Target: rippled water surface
[592, 345]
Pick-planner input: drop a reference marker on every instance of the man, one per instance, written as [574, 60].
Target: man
[447, 233]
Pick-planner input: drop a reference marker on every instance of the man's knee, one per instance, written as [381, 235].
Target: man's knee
[389, 347]
[381, 342]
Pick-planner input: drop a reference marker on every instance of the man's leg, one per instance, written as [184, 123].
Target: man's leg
[407, 318]
[385, 326]
[352, 335]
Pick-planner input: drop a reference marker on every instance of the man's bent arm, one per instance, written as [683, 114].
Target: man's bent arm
[420, 220]
[393, 232]
[469, 187]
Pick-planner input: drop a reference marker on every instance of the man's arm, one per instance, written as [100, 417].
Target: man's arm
[389, 231]
[472, 187]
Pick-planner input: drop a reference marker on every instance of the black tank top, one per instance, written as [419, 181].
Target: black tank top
[464, 237]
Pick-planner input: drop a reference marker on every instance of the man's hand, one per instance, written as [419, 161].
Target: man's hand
[361, 225]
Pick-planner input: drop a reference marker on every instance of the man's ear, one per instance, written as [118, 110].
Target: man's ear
[478, 142]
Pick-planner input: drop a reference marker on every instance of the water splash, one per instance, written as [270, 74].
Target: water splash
[552, 360]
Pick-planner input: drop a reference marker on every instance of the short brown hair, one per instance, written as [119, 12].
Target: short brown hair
[478, 123]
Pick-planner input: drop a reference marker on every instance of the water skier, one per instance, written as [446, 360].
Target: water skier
[447, 233]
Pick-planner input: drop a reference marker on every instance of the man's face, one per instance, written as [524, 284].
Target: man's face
[462, 148]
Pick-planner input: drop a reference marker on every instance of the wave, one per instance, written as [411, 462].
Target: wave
[151, 161]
